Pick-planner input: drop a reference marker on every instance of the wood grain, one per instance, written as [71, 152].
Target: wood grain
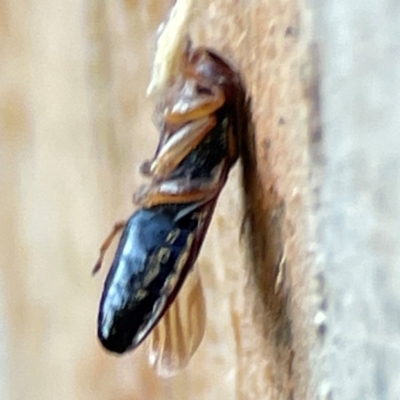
[75, 125]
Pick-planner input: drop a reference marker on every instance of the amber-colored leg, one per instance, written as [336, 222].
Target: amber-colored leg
[179, 145]
[193, 105]
[154, 199]
[106, 244]
[186, 123]
[181, 190]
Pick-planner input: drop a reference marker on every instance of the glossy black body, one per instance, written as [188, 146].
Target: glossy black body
[146, 257]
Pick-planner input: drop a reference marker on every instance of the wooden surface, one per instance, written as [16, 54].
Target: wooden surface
[359, 209]
[75, 125]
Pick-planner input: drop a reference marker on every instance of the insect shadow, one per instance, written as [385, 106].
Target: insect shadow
[262, 233]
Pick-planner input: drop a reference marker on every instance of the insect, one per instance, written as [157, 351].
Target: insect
[199, 118]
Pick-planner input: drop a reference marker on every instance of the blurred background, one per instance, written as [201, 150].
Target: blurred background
[75, 124]
[306, 305]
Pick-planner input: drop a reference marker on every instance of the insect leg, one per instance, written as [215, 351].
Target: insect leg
[106, 244]
[181, 190]
[195, 101]
[180, 144]
[153, 197]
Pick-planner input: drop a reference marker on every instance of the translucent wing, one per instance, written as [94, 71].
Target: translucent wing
[178, 334]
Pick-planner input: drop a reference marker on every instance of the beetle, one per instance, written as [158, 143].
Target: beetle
[200, 118]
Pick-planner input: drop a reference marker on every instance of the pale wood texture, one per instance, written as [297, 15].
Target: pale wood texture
[75, 125]
[359, 213]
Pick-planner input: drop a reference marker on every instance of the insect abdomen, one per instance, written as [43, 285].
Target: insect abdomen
[150, 262]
